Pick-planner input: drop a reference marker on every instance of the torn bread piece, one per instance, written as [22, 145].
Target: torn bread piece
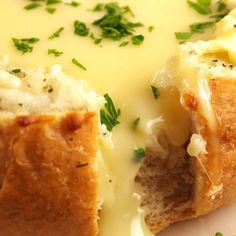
[190, 164]
[49, 131]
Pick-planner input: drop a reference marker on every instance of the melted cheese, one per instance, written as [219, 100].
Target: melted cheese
[193, 65]
[125, 73]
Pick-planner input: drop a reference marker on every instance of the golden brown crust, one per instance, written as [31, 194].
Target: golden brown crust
[219, 164]
[220, 160]
[221, 157]
[49, 180]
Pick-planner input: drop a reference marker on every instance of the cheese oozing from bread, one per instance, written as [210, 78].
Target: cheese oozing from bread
[183, 149]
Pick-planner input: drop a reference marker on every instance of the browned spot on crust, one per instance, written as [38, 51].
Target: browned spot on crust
[190, 102]
[29, 120]
[74, 121]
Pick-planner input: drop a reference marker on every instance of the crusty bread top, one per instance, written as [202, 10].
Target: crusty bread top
[48, 172]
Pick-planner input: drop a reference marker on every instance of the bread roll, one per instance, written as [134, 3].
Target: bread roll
[190, 166]
[49, 127]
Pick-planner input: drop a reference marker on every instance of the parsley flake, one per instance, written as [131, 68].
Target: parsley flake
[139, 154]
[73, 4]
[155, 91]
[200, 8]
[50, 2]
[218, 234]
[135, 123]
[24, 45]
[32, 6]
[57, 33]
[109, 114]
[80, 28]
[137, 39]
[150, 28]
[50, 10]
[16, 71]
[77, 63]
[124, 43]
[114, 24]
[54, 52]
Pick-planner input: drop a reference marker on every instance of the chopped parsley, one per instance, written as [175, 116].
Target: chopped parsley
[54, 52]
[95, 40]
[183, 35]
[98, 7]
[137, 39]
[50, 2]
[150, 28]
[50, 10]
[24, 45]
[80, 28]
[57, 33]
[109, 114]
[155, 92]
[204, 2]
[32, 6]
[205, 7]
[139, 154]
[124, 43]
[114, 24]
[16, 71]
[77, 63]
[47, 3]
[201, 26]
[30, 40]
[73, 4]
[221, 6]
[135, 123]
[218, 234]
[201, 8]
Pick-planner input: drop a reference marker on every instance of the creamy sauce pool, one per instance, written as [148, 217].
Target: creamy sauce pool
[125, 73]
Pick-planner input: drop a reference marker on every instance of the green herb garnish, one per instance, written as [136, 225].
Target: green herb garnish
[30, 40]
[124, 43]
[204, 7]
[50, 10]
[183, 35]
[50, 2]
[114, 24]
[80, 28]
[73, 4]
[218, 17]
[24, 45]
[139, 154]
[109, 115]
[200, 8]
[218, 234]
[95, 40]
[98, 7]
[221, 6]
[155, 91]
[201, 26]
[135, 123]
[32, 6]
[54, 52]
[150, 28]
[57, 33]
[77, 63]
[137, 39]
[16, 71]
[204, 2]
